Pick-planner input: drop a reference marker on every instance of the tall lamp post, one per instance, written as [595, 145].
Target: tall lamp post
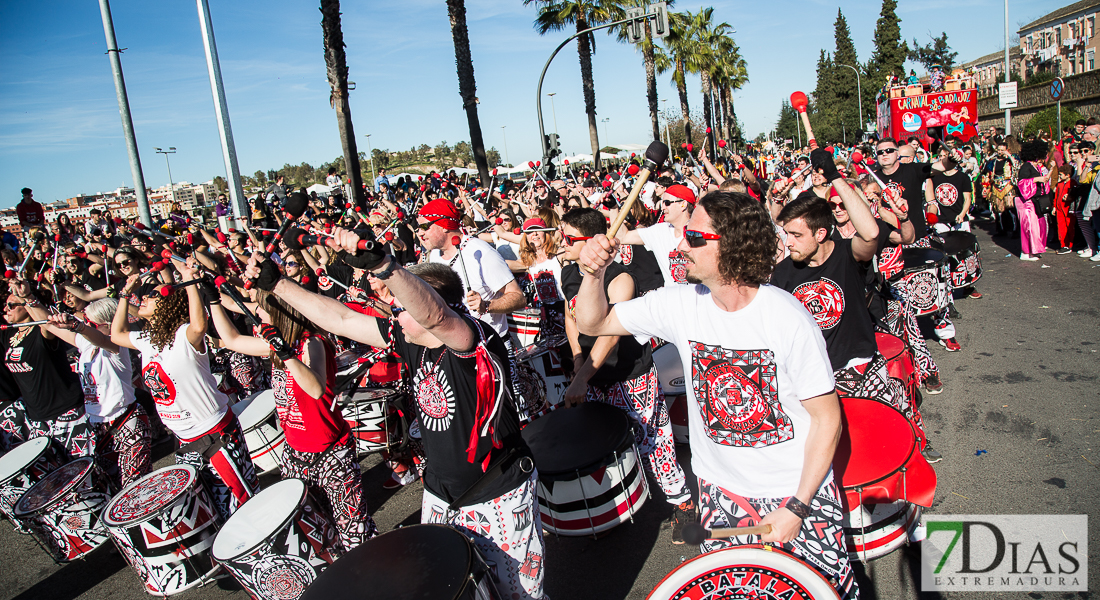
[171, 188]
[553, 111]
[859, 93]
[504, 131]
[668, 140]
[370, 157]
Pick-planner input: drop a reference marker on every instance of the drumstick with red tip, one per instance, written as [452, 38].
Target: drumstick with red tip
[696, 534]
[456, 241]
[800, 103]
[27, 324]
[228, 289]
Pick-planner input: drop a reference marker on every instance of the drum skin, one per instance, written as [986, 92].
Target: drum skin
[420, 561]
[924, 280]
[164, 525]
[63, 509]
[300, 544]
[590, 476]
[749, 571]
[877, 459]
[23, 467]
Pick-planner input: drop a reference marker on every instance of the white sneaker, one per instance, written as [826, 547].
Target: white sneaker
[1028, 257]
[1085, 253]
[1095, 257]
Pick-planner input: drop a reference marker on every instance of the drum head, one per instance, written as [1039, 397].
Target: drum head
[875, 443]
[957, 241]
[21, 457]
[367, 395]
[921, 258]
[421, 561]
[261, 407]
[890, 346]
[669, 369]
[572, 439]
[750, 571]
[146, 497]
[53, 487]
[255, 521]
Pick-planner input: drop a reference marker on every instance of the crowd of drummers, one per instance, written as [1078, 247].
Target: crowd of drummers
[782, 292]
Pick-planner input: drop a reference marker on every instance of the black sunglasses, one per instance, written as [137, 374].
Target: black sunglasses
[671, 202]
[123, 263]
[885, 151]
[698, 239]
[428, 225]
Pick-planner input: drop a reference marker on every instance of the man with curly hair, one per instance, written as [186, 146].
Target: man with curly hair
[763, 413]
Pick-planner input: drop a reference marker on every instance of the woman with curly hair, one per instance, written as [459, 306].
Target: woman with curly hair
[320, 448]
[1033, 183]
[176, 370]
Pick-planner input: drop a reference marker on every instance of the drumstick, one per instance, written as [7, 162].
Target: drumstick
[800, 103]
[27, 324]
[655, 155]
[695, 533]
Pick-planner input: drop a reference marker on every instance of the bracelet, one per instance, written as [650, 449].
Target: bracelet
[386, 273]
[901, 220]
[798, 507]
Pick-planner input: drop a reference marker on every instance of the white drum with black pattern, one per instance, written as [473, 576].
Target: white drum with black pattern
[262, 433]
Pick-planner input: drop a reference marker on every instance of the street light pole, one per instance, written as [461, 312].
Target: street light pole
[171, 187]
[553, 111]
[370, 157]
[1008, 75]
[668, 140]
[859, 94]
[504, 131]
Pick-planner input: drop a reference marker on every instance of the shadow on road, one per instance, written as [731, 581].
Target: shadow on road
[77, 578]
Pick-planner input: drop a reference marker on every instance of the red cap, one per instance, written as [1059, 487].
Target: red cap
[535, 224]
[442, 212]
[682, 192]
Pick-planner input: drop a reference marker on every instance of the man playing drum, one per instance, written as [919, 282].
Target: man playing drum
[479, 478]
[763, 413]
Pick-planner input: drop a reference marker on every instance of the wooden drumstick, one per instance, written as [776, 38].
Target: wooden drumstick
[695, 533]
[799, 102]
[655, 156]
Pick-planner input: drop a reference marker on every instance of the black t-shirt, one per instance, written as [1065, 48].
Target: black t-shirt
[643, 267]
[48, 384]
[909, 182]
[949, 190]
[629, 359]
[834, 295]
[445, 401]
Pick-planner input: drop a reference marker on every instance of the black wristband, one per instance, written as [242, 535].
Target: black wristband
[798, 508]
[901, 220]
[386, 273]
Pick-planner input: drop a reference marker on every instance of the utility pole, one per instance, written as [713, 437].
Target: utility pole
[859, 94]
[668, 140]
[370, 157]
[553, 111]
[1008, 76]
[504, 131]
[114, 53]
[171, 187]
[221, 109]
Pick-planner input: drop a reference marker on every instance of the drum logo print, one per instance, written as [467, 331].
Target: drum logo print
[753, 582]
[824, 299]
[890, 262]
[626, 254]
[922, 290]
[159, 384]
[324, 282]
[521, 518]
[546, 287]
[677, 266]
[435, 398]
[738, 396]
[947, 194]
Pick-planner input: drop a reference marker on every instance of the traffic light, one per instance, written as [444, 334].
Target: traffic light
[552, 143]
[659, 12]
[634, 29]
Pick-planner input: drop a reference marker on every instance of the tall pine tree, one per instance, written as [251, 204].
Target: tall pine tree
[889, 54]
[844, 80]
[823, 115]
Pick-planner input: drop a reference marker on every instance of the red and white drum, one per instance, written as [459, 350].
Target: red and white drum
[277, 543]
[899, 364]
[964, 262]
[670, 372]
[874, 530]
[372, 415]
[523, 326]
[21, 468]
[545, 358]
[262, 433]
[750, 571]
[63, 509]
[924, 280]
[420, 561]
[590, 476]
[164, 524]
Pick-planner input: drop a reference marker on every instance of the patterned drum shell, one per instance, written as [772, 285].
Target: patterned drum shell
[925, 280]
[964, 262]
[523, 326]
[544, 358]
[590, 477]
[63, 509]
[262, 433]
[277, 543]
[164, 524]
[874, 530]
[749, 571]
[373, 421]
[21, 468]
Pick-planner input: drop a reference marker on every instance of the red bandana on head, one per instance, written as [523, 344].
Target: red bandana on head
[442, 212]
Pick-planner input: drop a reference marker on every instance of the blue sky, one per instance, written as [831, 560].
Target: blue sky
[60, 132]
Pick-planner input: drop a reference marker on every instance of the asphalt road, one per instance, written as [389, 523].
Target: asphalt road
[1017, 424]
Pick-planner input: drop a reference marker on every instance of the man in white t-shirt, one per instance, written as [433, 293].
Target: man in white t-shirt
[661, 239]
[492, 291]
[763, 415]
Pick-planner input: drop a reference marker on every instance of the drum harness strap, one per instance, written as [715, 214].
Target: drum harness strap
[209, 444]
[495, 470]
[115, 424]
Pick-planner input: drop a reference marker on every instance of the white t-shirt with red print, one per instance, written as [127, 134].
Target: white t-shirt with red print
[546, 277]
[184, 389]
[661, 240]
[749, 370]
[107, 379]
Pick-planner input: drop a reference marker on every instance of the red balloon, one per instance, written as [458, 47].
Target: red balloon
[632, 170]
[799, 101]
[721, 143]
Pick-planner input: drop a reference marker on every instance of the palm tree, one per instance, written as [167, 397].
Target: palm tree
[337, 64]
[556, 15]
[649, 60]
[681, 59]
[728, 73]
[467, 87]
[708, 40]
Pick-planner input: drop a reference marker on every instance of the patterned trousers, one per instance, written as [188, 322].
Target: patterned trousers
[334, 475]
[122, 448]
[820, 541]
[71, 430]
[507, 530]
[229, 473]
[13, 424]
[903, 324]
[872, 380]
[641, 399]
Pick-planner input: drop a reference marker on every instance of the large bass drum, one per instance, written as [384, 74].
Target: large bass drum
[750, 571]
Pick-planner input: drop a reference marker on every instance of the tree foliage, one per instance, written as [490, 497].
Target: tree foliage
[889, 54]
[787, 126]
[1047, 120]
[935, 52]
